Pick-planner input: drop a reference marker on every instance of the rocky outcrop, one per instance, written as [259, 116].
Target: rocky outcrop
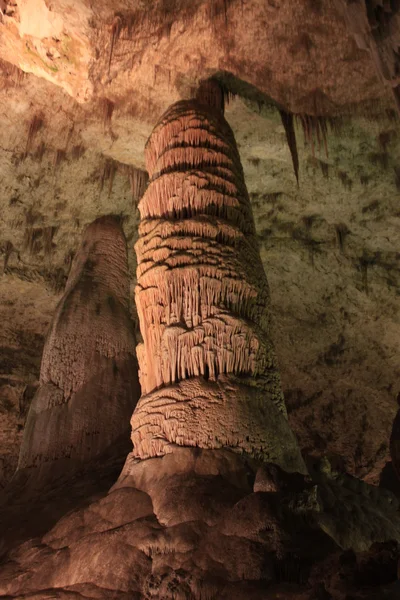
[198, 524]
[88, 379]
[207, 366]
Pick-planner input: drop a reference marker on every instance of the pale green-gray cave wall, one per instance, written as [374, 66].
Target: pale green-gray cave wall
[329, 247]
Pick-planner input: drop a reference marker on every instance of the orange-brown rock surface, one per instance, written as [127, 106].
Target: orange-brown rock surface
[208, 371]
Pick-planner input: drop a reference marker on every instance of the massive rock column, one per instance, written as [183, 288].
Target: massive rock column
[88, 380]
[207, 367]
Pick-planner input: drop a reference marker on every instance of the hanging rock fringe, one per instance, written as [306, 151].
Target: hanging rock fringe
[138, 180]
[110, 167]
[156, 19]
[207, 367]
[315, 130]
[33, 240]
[288, 124]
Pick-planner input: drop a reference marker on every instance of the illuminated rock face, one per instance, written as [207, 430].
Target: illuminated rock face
[207, 367]
[88, 379]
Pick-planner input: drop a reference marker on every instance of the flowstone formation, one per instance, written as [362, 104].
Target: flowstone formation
[88, 379]
[207, 366]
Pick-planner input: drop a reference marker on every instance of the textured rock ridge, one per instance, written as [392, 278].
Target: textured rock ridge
[207, 367]
[88, 379]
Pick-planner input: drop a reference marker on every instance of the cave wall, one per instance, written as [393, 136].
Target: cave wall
[73, 129]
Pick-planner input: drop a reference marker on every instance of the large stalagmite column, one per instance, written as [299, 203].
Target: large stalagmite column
[88, 379]
[206, 365]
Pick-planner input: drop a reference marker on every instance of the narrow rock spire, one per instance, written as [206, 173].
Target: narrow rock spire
[88, 378]
[207, 366]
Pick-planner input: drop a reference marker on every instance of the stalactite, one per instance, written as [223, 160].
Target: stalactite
[7, 250]
[48, 234]
[59, 157]
[78, 151]
[35, 125]
[39, 152]
[345, 179]
[288, 123]
[315, 131]
[110, 167]
[32, 239]
[324, 168]
[115, 32]
[207, 366]
[107, 110]
[342, 232]
[138, 180]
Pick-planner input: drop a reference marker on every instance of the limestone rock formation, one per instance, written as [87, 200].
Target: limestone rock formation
[222, 520]
[80, 90]
[198, 514]
[208, 371]
[190, 525]
[88, 379]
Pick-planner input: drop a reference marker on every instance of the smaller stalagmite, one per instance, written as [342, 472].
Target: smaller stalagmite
[88, 379]
[207, 367]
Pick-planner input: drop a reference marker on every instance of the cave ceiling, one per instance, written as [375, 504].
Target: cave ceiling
[82, 85]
